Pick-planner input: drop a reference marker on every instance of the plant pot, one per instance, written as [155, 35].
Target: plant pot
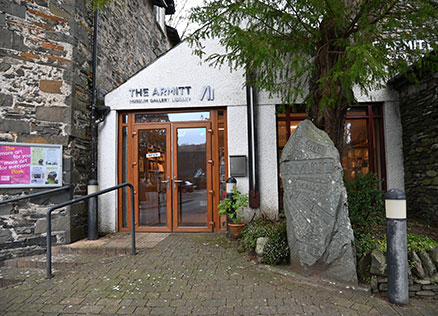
[236, 229]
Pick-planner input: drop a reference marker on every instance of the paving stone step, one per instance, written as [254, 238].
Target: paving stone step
[83, 250]
[59, 261]
[13, 275]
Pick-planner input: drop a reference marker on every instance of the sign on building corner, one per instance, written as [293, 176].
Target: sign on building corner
[207, 91]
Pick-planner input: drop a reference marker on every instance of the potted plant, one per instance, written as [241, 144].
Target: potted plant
[232, 208]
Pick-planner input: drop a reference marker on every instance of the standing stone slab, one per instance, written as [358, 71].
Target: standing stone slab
[319, 232]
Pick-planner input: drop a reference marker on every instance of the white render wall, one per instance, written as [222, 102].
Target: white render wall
[180, 68]
[267, 160]
[107, 173]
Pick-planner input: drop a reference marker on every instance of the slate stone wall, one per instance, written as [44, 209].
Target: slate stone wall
[422, 274]
[419, 115]
[45, 95]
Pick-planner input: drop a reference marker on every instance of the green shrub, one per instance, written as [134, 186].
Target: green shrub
[414, 243]
[420, 242]
[366, 207]
[276, 249]
[234, 207]
[366, 202]
[251, 232]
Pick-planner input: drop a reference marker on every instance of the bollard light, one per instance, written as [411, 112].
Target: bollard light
[231, 183]
[397, 249]
[92, 187]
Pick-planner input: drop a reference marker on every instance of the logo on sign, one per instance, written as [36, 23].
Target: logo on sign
[208, 92]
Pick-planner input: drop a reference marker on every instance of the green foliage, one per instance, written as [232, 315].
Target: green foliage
[366, 202]
[362, 43]
[420, 243]
[366, 207]
[365, 243]
[276, 250]
[234, 207]
[414, 243]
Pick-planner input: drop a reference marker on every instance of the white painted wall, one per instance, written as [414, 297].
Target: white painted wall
[107, 173]
[267, 160]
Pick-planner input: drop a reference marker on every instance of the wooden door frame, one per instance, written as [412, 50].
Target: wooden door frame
[152, 126]
[209, 171]
[215, 170]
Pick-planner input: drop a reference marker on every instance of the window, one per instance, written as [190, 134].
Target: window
[364, 147]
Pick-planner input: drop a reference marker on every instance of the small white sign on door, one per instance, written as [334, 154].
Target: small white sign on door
[152, 155]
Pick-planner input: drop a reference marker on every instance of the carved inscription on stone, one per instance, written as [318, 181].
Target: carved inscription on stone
[311, 166]
[319, 234]
[315, 147]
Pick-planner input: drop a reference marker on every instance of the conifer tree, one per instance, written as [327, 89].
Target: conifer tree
[319, 49]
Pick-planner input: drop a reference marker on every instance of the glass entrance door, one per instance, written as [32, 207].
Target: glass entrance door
[173, 167]
[153, 166]
[192, 192]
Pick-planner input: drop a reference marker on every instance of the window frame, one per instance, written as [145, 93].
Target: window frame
[370, 117]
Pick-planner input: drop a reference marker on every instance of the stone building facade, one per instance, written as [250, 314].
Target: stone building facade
[45, 96]
[419, 116]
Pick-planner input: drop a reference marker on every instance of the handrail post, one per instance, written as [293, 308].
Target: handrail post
[132, 220]
[49, 244]
[86, 197]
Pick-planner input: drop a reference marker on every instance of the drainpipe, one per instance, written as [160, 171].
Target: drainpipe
[92, 183]
[251, 101]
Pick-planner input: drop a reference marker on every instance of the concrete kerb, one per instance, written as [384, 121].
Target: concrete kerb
[316, 281]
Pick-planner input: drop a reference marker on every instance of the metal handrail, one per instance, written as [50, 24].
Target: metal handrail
[86, 197]
[65, 187]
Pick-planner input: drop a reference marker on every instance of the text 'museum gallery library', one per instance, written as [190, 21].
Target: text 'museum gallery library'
[179, 128]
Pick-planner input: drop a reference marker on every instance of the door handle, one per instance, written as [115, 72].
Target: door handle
[175, 181]
[168, 182]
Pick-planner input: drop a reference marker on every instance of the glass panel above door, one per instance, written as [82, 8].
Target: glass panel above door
[172, 117]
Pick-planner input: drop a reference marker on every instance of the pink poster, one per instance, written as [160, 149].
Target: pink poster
[14, 164]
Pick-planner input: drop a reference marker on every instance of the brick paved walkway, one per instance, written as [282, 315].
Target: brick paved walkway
[188, 274]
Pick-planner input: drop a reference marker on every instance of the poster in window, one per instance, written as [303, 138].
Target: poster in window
[30, 165]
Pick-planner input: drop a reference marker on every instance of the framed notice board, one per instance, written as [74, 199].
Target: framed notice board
[30, 165]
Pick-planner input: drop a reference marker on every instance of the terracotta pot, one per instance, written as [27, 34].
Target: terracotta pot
[236, 229]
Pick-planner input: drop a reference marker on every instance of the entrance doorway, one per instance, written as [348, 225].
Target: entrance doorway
[176, 162]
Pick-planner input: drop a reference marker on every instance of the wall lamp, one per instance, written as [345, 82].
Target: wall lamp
[101, 113]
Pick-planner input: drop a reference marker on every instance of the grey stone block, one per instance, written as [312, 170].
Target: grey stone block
[431, 287]
[378, 262]
[6, 100]
[5, 38]
[53, 114]
[4, 66]
[427, 263]
[5, 236]
[58, 224]
[18, 42]
[417, 268]
[15, 126]
[6, 209]
[2, 20]
[434, 256]
[59, 11]
[425, 293]
[17, 10]
[315, 200]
